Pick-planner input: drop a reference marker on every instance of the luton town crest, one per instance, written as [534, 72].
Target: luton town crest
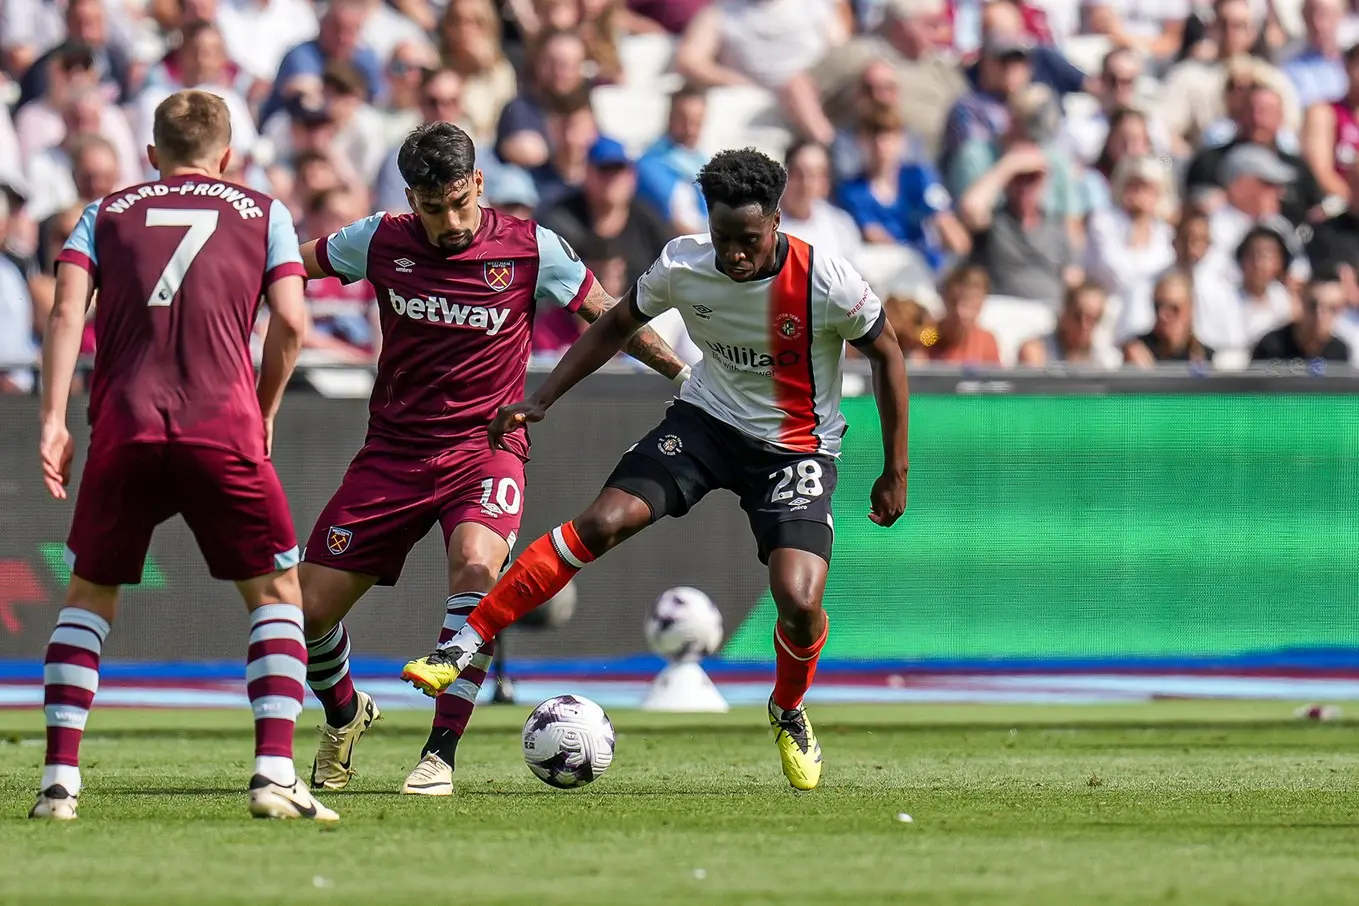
[337, 540]
[499, 275]
[790, 326]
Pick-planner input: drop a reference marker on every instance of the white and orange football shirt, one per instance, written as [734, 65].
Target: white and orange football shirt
[773, 349]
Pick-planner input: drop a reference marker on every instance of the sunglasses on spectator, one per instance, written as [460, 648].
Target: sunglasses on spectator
[401, 68]
[1120, 81]
[1173, 308]
[442, 100]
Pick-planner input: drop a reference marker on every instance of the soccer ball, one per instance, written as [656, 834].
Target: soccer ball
[568, 741]
[684, 625]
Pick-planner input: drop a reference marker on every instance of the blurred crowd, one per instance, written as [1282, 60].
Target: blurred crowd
[1112, 183]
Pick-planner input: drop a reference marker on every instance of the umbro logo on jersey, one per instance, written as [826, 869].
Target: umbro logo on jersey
[703, 311]
[404, 265]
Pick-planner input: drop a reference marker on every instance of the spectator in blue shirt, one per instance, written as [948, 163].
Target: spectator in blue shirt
[983, 113]
[898, 202]
[1003, 22]
[665, 173]
[338, 40]
[522, 134]
[1316, 67]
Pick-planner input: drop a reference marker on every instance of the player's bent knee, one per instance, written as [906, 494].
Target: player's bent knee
[614, 517]
[797, 605]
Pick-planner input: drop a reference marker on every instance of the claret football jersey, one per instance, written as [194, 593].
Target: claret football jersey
[456, 329]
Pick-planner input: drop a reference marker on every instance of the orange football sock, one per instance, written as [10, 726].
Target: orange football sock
[794, 667]
[537, 574]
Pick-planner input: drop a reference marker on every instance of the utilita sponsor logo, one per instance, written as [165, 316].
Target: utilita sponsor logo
[438, 310]
[753, 358]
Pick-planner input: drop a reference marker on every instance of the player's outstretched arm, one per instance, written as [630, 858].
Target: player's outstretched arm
[644, 345]
[60, 350]
[601, 342]
[888, 497]
[289, 321]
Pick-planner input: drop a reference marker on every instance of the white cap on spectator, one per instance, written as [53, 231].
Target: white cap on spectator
[1258, 161]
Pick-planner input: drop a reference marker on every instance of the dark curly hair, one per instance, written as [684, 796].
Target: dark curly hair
[436, 156]
[739, 178]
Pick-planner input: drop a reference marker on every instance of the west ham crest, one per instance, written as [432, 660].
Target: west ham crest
[499, 275]
[337, 540]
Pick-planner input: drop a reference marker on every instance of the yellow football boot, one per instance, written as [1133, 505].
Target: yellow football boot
[434, 673]
[798, 749]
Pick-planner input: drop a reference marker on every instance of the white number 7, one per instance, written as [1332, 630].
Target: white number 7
[202, 224]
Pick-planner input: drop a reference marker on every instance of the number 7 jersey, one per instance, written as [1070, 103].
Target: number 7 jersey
[180, 265]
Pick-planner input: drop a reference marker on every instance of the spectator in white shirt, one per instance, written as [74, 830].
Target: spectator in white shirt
[1255, 179]
[1130, 244]
[1260, 302]
[806, 212]
[16, 317]
[471, 46]
[406, 70]
[201, 62]
[1129, 135]
[758, 42]
[1192, 95]
[1155, 27]
[259, 32]
[1074, 341]
[49, 173]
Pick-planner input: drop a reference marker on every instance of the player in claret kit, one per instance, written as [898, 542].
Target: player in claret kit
[457, 285]
[178, 424]
[760, 417]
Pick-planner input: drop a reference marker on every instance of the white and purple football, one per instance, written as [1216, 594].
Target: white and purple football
[568, 741]
[684, 625]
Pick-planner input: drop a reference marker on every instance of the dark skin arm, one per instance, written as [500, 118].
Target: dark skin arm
[888, 498]
[612, 328]
[642, 344]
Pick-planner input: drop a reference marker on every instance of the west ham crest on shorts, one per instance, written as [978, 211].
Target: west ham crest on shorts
[499, 275]
[337, 540]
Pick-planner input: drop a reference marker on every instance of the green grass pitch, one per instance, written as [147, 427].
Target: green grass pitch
[1179, 802]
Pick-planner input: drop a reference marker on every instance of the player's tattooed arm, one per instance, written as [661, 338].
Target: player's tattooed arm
[645, 345]
[613, 328]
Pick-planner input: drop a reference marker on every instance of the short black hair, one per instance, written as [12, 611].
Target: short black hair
[739, 178]
[435, 156]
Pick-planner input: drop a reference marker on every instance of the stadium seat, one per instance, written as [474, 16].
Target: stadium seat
[1015, 320]
[897, 270]
[1086, 52]
[1080, 106]
[634, 116]
[745, 115]
[646, 62]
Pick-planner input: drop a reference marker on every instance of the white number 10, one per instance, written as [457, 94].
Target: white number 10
[202, 224]
[507, 495]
